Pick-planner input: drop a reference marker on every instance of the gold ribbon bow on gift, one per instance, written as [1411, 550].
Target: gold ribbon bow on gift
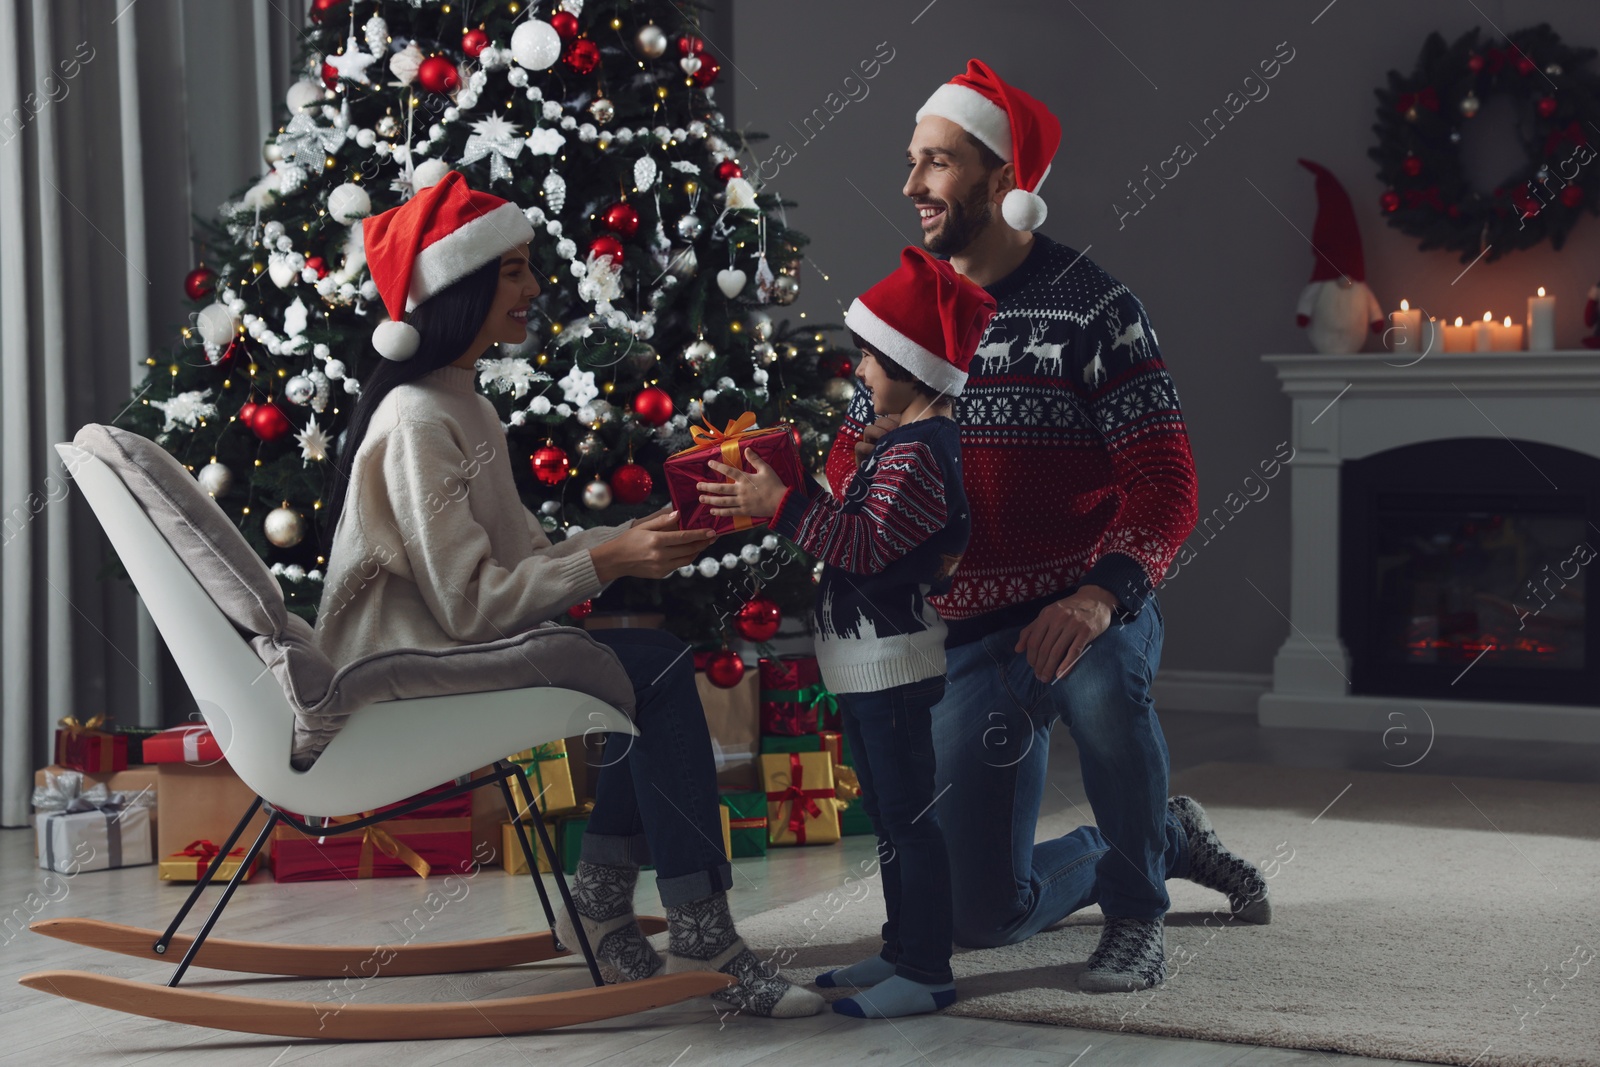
[376, 837]
[726, 441]
[71, 724]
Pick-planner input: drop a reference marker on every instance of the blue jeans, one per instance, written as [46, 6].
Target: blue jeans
[891, 737]
[991, 734]
[657, 793]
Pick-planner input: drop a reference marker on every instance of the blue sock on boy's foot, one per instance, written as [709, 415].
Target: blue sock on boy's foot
[862, 974]
[896, 996]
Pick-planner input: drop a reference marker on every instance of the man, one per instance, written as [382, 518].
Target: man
[1081, 488]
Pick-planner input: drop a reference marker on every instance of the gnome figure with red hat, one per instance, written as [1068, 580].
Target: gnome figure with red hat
[1336, 309]
[1081, 490]
[433, 550]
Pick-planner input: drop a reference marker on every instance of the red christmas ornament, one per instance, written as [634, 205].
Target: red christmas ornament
[724, 669]
[582, 55]
[582, 610]
[550, 464]
[1475, 63]
[330, 76]
[318, 264]
[225, 361]
[247, 410]
[200, 282]
[631, 483]
[321, 8]
[269, 422]
[621, 219]
[438, 75]
[606, 247]
[1390, 201]
[729, 169]
[473, 42]
[653, 405]
[1572, 196]
[690, 45]
[1412, 166]
[707, 72]
[1524, 65]
[565, 23]
[758, 620]
[1547, 106]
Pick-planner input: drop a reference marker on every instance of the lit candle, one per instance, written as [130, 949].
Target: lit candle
[1483, 334]
[1406, 332]
[1508, 338]
[1541, 322]
[1458, 338]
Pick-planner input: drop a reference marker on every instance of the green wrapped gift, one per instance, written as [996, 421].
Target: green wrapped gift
[747, 821]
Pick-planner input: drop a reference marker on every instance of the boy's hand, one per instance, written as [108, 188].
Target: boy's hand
[754, 495]
[870, 434]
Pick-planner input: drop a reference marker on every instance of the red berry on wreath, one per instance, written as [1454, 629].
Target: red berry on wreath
[565, 23]
[724, 669]
[474, 42]
[1412, 166]
[621, 219]
[1390, 201]
[199, 283]
[729, 169]
[582, 610]
[653, 405]
[1547, 106]
[582, 55]
[550, 464]
[631, 483]
[758, 619]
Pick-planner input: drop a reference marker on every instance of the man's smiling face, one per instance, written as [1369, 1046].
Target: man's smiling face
[952, 189]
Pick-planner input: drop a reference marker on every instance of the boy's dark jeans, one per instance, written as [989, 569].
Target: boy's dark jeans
[891, 737]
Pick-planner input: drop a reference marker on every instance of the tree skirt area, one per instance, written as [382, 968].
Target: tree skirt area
[1450, 920]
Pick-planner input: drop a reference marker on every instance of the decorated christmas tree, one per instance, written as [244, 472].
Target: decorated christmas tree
[659, 263]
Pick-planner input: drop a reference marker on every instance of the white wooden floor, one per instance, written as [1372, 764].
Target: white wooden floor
[38, 1029]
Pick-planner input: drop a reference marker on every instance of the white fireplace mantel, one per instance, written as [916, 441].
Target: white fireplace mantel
[1347, 407]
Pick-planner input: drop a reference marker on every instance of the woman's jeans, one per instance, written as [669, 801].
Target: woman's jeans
[992, 736]
[656, 800]
[891, 737]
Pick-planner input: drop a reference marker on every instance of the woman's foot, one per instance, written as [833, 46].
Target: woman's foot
[701, 937]
[1213, 866]
[896, 996]
[604, 898]
[863, 974]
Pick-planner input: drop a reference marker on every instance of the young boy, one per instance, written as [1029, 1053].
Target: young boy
[894, 538]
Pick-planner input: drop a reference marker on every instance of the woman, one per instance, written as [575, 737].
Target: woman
[434, 549]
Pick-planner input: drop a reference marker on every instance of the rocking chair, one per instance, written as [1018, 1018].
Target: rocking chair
[380, 752]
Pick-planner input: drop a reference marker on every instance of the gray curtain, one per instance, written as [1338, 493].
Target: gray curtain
[119, 122]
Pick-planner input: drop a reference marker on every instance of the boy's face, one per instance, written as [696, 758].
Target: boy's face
[889, 397]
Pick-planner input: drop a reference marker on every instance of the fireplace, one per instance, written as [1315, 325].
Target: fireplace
[1464, 572]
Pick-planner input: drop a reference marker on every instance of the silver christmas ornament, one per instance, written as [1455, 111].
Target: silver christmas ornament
[597, 495]
[652, 41]
[699, 353]
[603, 110]
[271, 153]
[1554, 70]
[387, 126]
[684, 264]
[839, 390]
[760, 324]
[690, 227]
[215, 479]
[641, 357]
[300, 389]
[283, 527]
[785, 289]
[1470, 105]
[1455, 136]
[765, 354]
[589, 446]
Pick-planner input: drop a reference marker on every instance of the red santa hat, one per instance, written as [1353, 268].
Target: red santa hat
[441, 235]
[1015, 126]
[1334, 236]
[925, 317]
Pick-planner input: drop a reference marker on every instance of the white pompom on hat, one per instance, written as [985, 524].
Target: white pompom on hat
[1015, 126]
[441, 235]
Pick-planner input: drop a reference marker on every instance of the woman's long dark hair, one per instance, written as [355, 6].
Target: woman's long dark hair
[449, 321]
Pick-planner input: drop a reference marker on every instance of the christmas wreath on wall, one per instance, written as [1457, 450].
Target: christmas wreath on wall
[1420, 121]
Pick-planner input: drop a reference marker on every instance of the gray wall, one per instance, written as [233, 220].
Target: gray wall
[1215, 256]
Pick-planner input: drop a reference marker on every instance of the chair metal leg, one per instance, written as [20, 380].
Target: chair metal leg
[527, 851]
[227, 894]
[561, 877]
[205, 879]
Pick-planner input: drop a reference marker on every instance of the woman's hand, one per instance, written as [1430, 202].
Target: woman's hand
[870, 434]
[653, 547]
[756, 495]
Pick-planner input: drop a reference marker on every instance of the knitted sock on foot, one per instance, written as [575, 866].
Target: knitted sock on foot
[1213, 866]
[863, 974]
[896, 996]
[701, 937]
[1132, 955]
[604, 898]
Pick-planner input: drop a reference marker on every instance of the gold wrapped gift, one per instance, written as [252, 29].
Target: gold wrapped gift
[802, 806]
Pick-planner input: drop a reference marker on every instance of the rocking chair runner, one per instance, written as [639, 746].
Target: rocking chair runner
[381, 754]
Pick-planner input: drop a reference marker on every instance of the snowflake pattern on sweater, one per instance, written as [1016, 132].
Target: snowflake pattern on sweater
[1077, 463]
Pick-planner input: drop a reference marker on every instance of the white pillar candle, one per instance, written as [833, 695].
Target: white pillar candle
[1405, 333]
[1483, 334]
[1541, 322]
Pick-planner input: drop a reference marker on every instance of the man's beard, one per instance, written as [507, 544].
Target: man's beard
[963, 221]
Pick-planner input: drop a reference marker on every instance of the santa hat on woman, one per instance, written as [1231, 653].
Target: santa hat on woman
[441, 235]
[925, 317]
[1015, 126]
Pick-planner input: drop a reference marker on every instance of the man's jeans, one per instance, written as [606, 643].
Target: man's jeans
[992, 738]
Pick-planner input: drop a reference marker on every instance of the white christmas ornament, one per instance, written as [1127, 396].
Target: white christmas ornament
[544, 141]
[301, 95]
[536, 45]
[731, 282]
[283, 527]
[214, 479]
[511, 374]
[740, 195]
[428, 173]
[349, 202]
[282, 270]
[644, 173]
[597, 495]
[496, 138]
[216, 324]
[376, 31]
[313, 442]
[185, 408]
[294, 319]
[577, 386]
[403, 65]
[353, 62]
[555, 189]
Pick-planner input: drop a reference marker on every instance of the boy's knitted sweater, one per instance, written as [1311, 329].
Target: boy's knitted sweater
[889, 539]
[1077, 461]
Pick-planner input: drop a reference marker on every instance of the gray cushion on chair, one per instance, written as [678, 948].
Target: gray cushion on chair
[323, 697]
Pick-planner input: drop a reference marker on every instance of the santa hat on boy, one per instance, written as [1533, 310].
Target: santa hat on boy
[441, 235]
[1015, 126]
[925, 317]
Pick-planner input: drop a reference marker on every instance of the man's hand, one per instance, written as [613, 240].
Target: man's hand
[1059, 637]
[755, 493]
[870, 434]
[653, 547]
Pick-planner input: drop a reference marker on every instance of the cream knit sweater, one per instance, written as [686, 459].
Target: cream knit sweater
[434, 548]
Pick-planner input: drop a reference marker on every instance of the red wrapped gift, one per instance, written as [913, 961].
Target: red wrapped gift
[776, 446]
[183, 744]
[793, 696]
[437, 836]
[83, 746]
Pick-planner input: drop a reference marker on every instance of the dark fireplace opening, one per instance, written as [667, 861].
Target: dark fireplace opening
[1464, 572]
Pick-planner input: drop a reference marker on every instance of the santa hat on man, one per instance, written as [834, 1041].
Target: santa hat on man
[1015, 126]
[925, 317]
[441, 235]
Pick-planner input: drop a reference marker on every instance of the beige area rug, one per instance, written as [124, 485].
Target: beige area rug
[1415, 918]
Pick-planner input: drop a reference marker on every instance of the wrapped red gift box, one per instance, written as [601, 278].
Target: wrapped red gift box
[83, 746]
[435, 837]
[183, 744]
[776, 446]
[792, 695]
